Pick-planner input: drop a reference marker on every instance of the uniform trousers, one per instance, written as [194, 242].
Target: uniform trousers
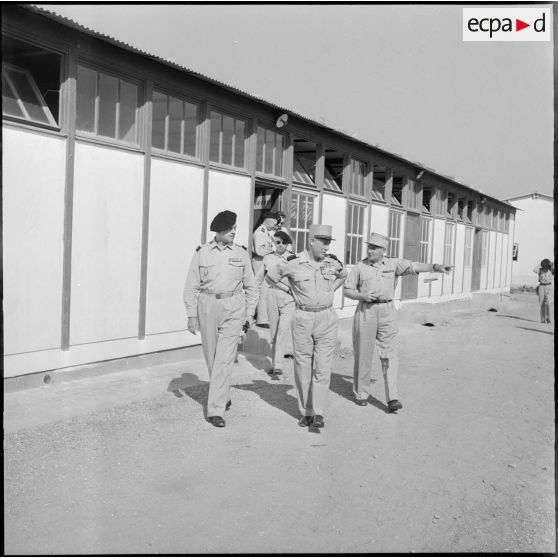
[280, 310]
[261, 312]
[375, 323]
[314, 339]
[544, 292]
[220, 327]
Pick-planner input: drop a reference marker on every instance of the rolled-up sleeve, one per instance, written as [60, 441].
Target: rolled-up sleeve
[192, 287]
[260, 242]
[405, 267]
[250, 285]
[353, 279]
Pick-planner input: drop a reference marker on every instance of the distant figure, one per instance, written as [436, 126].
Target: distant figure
[282, 219]
[545, 271]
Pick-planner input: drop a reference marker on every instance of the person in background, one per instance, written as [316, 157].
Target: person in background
[220, 295]
[280, 305]
[545, 271]
[281, 226]
[313, 276]
[372, 282]
[263, 244]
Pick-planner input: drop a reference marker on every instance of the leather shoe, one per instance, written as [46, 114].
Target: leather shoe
[361, 402]
[228, 405]
[277, 371]
[305, 421]
[394, 405]
[318, 421]
[219, 422]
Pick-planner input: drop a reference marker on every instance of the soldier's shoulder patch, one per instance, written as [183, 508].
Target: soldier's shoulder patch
[291, 257]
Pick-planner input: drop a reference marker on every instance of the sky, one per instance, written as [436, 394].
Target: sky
[396, 76]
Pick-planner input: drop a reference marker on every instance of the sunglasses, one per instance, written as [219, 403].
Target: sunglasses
[279, 242]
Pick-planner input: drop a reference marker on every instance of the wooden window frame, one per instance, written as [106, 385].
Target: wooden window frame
[247, 133]
[349, 255]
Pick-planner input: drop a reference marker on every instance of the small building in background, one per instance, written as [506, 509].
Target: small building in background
[116, 160]
[533, 237]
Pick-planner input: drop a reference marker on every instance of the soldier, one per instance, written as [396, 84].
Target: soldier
[220, 296]
[263, 244]
[280, 305]
[313, 277]
[372, 282]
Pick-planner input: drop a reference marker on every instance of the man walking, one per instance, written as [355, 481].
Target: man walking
[313, 277]
[372, 282]
[263, 244]
[220, 296]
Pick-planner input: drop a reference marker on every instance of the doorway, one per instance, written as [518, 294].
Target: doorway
[266, 198]
[409, 284]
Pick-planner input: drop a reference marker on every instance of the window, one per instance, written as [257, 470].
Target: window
[450, 206]
[468, 247]
[397, 191]
[506, 222]
[333, 170]
[413, 196]
[449, 242]
[481, 216]
[394, 234]
[106, 105]
[269, 152]
[175, 124]
[358, 177]
[424, 243]
[30, 82]
[355, 233]
[226, 140]
[460, 208]
[470, 205]
[426, 199]
[442, 196]
[379, 178]
[304, 164]
[302, 216]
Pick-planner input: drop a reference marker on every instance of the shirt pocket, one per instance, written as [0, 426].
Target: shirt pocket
[236, 269]
[207, 273]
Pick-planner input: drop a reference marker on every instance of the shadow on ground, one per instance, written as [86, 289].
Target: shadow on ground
[537, 330]
[343, 386]
[515, 317]
[274, 394]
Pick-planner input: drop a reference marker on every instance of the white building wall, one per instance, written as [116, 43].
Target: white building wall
[334, 210]
[33, 182]
[175, 225]
[491, 259]
[534, 232]
[232, 192]
[439, 226]
[459, 258]
[106, 244]
[379, 219]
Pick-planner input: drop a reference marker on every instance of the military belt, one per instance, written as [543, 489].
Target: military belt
[314, 308]
[224, 294]
[546, 284]
[380, 301]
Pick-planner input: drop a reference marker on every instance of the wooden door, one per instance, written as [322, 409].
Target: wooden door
[409, 285]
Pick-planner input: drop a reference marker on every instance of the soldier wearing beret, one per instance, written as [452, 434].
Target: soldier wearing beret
[220, 297]
[263, 244]
[372, 282]
[313, 277]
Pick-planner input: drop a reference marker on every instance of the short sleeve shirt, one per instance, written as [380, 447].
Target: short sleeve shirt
[379, 279]
[263, 241]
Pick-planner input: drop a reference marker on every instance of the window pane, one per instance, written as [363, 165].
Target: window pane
[260, 149]
[278, 155]
[28, 97]
[269, 149]
[175, 125]
[294, 211]
[215, 137]
[191, 128]
[239, 144]
[158, 125]
[228, 129]
[128, 105]
[85, 107]
[9, 103]
[108, 91]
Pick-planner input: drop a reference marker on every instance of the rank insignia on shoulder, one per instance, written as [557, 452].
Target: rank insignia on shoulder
[333, 257]
[291, 257]
[198, 248]
[242, 246]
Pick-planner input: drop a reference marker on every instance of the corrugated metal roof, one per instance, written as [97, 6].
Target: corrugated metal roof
[84, 29]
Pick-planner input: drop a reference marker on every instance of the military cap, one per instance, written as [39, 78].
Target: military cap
[379, 240]
[272, 215]
[223, 221]
[320, 231]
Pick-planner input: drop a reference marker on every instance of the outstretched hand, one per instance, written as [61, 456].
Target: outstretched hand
[441, 268]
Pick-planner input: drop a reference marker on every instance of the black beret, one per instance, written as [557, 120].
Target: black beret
[223, 221]
[284, 237]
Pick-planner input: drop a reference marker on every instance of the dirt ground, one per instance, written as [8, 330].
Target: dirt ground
[466, 466]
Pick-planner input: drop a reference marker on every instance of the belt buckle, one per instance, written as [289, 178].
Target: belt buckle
[218, 296]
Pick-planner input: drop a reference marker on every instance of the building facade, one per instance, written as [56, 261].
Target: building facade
[115, 162]
[533, 237]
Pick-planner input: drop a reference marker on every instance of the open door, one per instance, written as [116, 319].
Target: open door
[266, 198]
[409, 284]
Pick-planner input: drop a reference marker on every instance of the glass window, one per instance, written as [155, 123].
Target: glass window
[460, 208]
[442, 198]
[304, 164]
[302, 216]
[413, 188]
[358, 177]
[30, 82]
[468, 247]
[269, 152]
[380, 175]
[355, 233]
[469, 213]
[227, 138]
[449, 243]
[397, 190]
[333, 170]
[427, 199]
[424, 243]
[394, 234]
[450, 205]
[106, 105]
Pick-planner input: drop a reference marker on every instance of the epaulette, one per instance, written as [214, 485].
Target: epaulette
[241, 246]
[198, 248]
[333, 257]
[292, 257]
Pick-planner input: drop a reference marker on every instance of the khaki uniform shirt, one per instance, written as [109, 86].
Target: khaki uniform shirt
[262, 241]
[379, 279]
[311, 286]
[271, 261]
[220, 270]
[545, 276]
